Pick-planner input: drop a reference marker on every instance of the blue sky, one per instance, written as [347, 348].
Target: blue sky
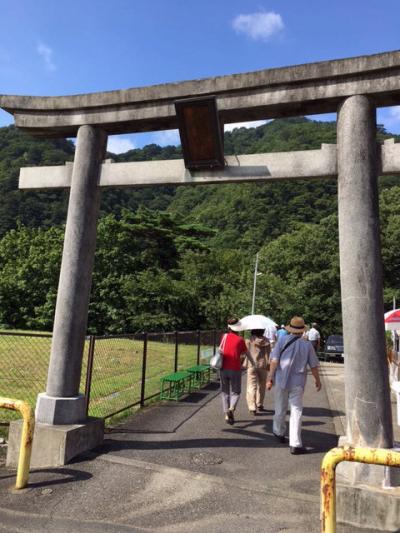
[50, 47]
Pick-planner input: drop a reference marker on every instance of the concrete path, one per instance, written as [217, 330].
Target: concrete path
[334, 386]
[178, 467]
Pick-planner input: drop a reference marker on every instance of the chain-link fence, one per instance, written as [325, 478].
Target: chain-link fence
[161, 354]
[125, 370]
[114, 374]
[24, 360]
[118, 371]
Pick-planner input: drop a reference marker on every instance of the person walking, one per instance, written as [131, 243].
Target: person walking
[282, 332]
[314, 337]
[234, 351]
[270, 334]
[288, 372]
[391, 356]
[258, 350]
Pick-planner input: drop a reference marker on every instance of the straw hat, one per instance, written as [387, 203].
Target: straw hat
[296, 325]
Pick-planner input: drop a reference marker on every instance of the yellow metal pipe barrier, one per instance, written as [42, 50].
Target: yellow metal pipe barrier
[28, 426]
[373, 456]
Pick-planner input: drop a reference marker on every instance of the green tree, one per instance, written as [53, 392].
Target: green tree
[29, 270]
[137, 281]
[390, 239]
[301, 275]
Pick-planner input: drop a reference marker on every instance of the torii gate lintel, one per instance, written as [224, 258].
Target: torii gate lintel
[267, 167]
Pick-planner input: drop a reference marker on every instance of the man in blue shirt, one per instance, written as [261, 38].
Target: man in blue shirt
[282, 332]
[289, 361]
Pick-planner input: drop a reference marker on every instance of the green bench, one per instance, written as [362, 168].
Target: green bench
[201, 375]
[175, 385]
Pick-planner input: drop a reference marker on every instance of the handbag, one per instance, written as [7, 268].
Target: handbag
[217, 359]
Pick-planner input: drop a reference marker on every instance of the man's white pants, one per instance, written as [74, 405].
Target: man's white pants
[294, 398]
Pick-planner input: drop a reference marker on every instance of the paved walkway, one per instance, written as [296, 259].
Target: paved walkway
[334, 385]
[178, 467]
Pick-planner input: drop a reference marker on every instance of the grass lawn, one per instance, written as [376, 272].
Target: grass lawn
[23, 368]
[117, 369]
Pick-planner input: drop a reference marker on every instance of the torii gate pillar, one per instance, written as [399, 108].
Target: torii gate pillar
[62, 403]
[368, 407]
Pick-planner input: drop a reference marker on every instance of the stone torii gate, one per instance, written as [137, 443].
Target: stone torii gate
[353, 88]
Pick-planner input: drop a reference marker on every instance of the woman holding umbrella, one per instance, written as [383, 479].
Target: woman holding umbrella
[258, 348]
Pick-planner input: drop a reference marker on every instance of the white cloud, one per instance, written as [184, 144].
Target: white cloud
[46, 53]
[119, 145]
[259, 26]
[167, 137]
[251, 124]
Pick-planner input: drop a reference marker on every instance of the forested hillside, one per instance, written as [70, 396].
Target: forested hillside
[184, 257]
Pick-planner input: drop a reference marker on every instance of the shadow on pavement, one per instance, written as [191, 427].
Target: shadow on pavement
[316, 441]
[64, 475]
[321, 412]
[68, 476]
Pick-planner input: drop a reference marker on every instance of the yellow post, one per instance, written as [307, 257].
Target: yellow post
[374, 456]
[26, 440]
[328, 489]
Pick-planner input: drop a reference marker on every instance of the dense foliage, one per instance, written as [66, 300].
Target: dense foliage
[184, 257]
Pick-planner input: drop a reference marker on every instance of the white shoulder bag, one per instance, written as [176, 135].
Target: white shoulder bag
[217, 359]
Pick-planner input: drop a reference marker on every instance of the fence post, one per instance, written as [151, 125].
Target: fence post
[176, 352]
[89, 369]
[214, 340]
[144, 363]
[198, 346]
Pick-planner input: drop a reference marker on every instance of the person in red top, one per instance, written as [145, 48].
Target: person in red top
[234, 351]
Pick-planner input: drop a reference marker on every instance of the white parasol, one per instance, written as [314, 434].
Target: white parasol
[253, 322]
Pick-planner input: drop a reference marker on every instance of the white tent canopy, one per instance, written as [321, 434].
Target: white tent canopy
[392, 320]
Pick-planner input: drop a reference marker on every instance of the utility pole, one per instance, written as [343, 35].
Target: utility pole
[254, 285]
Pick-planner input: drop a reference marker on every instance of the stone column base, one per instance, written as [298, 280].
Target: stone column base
[369, 507]
[368, 496]
[55, 445]
[54, 410]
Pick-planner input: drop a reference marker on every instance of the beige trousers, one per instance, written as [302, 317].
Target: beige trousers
[256, 381]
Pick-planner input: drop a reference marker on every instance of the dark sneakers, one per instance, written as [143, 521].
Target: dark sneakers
[294, 450]
[297, 450]
[229, 418]
[281, 438]
[261, 409]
